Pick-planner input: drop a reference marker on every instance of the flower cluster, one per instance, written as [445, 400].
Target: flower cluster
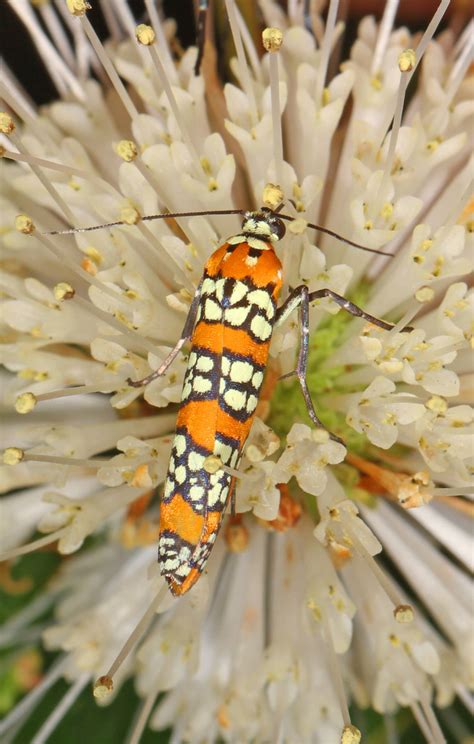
[294, 619]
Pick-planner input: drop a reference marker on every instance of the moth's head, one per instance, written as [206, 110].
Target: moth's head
[263, 224]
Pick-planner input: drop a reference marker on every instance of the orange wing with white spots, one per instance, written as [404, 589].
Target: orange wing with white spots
[229, 352]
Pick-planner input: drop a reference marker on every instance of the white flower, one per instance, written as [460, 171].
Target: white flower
[297, 615]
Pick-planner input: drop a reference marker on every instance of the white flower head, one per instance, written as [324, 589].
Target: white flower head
[297, 616]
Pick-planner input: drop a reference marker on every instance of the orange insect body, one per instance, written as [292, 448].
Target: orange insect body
[229, 350]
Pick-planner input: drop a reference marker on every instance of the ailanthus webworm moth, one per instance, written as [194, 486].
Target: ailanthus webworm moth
[229, 325]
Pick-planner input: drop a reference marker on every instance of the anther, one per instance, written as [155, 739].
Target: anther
[437, 404]
[350, 735]
[25, 403]
[13, 455]
[424, 294]
[145, 34]
[24, 224]
[7, 125]
[403, 613]
[212, 464]
[407, 60]
[272, 196]
[103, 687]
[130, 216]
[272, 39]
[63, 291]
[127, 150]
[78, 7]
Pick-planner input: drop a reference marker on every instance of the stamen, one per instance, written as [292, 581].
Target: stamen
[430, 32]
[108, 67]
[456, 491]
[21, 710]
[60, 39]
[272, 40]
[249, 46]
[168, 63]
[31, 547]
[60, 710]
[438, 736]
[104, 685]
[143, 716]
[244, 73]
[326, 50]
[146, 36]
[401, 611]
[213, 463]
[421, 721]
[70, 170]
[336, 676]
[60, 74]
[75, 461]
[385, 29]
[406, 64]
[52, 191]
[25, 224]
[64, 393]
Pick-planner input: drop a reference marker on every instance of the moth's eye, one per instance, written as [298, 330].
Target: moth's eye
[278, 228]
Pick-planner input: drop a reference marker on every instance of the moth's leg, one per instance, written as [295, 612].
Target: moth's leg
[299, 298]
[185, 336]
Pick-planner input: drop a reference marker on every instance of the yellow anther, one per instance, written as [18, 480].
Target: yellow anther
[24, 224]
[272, 195]
[63, 291]
[130, 215]
[25, 403]
[369, 225]
[93, 254]
[78, 7]
[424, 294]
[13, 455]
[437, 404]
[236, 537]
[212, 464]
[272, 39]
[298, 226]
[7, 125]
[407, 60]
[387, 210]
[403, 614]
[145, 34]
[103, 687]
[127, 150]
[350, 735]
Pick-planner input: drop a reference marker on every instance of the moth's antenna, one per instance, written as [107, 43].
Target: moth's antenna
[205, 213]
[336, 235]
[147, 218]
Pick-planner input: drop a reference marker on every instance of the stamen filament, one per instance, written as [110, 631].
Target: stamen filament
[52, 191]
[326, 50]
[60, 74]
[107, 680]
[70, 170]
[60, 710]
[67, 392]
[244, 72]
[56, 460]
[385, 29]
[438, 737]
[31, 547]
[168, 63]
[21, 710]
[173, 103]
[143, 716]
[335, 673]
[276, 118]
[382, 579]
[109, 68]
[460, 68]
[61, 41]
